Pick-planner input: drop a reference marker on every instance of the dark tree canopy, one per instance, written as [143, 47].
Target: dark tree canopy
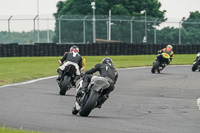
[118, 7]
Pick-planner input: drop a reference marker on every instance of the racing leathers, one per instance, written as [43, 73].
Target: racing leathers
[70, 58]
[167, 54]
[106, 71]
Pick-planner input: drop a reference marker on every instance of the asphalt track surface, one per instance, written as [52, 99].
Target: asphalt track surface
[141, 103]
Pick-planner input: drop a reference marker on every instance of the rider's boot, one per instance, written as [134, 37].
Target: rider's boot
[102, 100]
[81, 92]
[60, 73]
[76, 78]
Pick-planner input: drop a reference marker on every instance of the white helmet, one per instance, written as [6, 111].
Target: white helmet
[74, 48]
[170, 46]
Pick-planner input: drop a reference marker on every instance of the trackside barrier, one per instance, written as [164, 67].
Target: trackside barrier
[53, 49]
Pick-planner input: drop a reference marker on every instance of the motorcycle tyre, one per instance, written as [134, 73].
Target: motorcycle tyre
[155, 66]
[90, 104]
[194, 67]
[65, 85]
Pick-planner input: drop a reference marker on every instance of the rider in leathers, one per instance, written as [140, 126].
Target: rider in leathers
[168, 51]
[107, 70]
[73, 57]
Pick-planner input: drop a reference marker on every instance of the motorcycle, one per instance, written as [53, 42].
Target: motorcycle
[66, 81]
[89, 100]
[196, 64]
[160, 63]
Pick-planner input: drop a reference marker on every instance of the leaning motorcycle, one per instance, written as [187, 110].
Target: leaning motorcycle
[66, 81]
[88, 101]
[196, 64]
[160, 63]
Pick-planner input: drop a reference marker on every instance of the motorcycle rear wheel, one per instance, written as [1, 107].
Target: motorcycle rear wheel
[195, 66]
[90, 104]
[65, 85]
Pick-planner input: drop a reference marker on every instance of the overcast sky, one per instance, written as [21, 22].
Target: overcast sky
[179, 8]
[27, 7]
[176, 9]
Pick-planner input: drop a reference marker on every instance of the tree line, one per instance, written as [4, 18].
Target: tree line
[23, 37]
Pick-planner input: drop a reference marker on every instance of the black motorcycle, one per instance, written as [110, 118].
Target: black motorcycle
[66, 81]
[87, 102]
[196, 64]
[160, 63]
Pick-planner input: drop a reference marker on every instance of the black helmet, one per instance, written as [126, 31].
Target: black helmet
[74, 48]
[108, 61]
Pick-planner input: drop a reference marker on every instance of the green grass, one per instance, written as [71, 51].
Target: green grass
[18, 69]
[7, 130]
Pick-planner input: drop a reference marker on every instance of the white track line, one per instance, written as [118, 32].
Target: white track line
[35, 80]
[28, 82]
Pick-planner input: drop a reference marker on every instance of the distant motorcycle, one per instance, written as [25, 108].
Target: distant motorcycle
[67, 79]
[196, 64]
[160, 63]
[86, 103]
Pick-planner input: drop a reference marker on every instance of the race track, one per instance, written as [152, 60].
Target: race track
[141, 103]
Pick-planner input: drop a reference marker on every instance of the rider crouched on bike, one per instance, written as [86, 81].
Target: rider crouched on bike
[73, 57]
[107, 70]
[167, 54]
[197, 56]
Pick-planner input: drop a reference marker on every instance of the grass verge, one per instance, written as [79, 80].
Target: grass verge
[18, 69]
[6, 130]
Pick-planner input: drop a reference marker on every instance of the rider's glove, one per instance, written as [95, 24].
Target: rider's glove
[159, 52]
[60, 63]
[82, 74]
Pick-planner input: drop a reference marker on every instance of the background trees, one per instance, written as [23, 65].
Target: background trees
[125, 9]
[24, 37]
[190, 31]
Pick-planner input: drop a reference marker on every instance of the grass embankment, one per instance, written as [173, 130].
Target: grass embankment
[18, 69]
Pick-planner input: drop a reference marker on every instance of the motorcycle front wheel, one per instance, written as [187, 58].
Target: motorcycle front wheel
[155, 67]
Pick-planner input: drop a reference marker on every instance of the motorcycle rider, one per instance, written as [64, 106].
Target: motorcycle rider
[73, 57]
[197, 56]
[167, 53]
[107, 70]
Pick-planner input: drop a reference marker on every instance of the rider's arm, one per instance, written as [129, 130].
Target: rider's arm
[172, 55]
[80, 64]
[161, 50]
[93, 70]
[116, 76]
[63, 59]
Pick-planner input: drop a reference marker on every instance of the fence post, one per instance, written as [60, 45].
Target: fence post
[155, 30]
[60, 29]
[132, 29]
[180, 23]
[84, 29]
